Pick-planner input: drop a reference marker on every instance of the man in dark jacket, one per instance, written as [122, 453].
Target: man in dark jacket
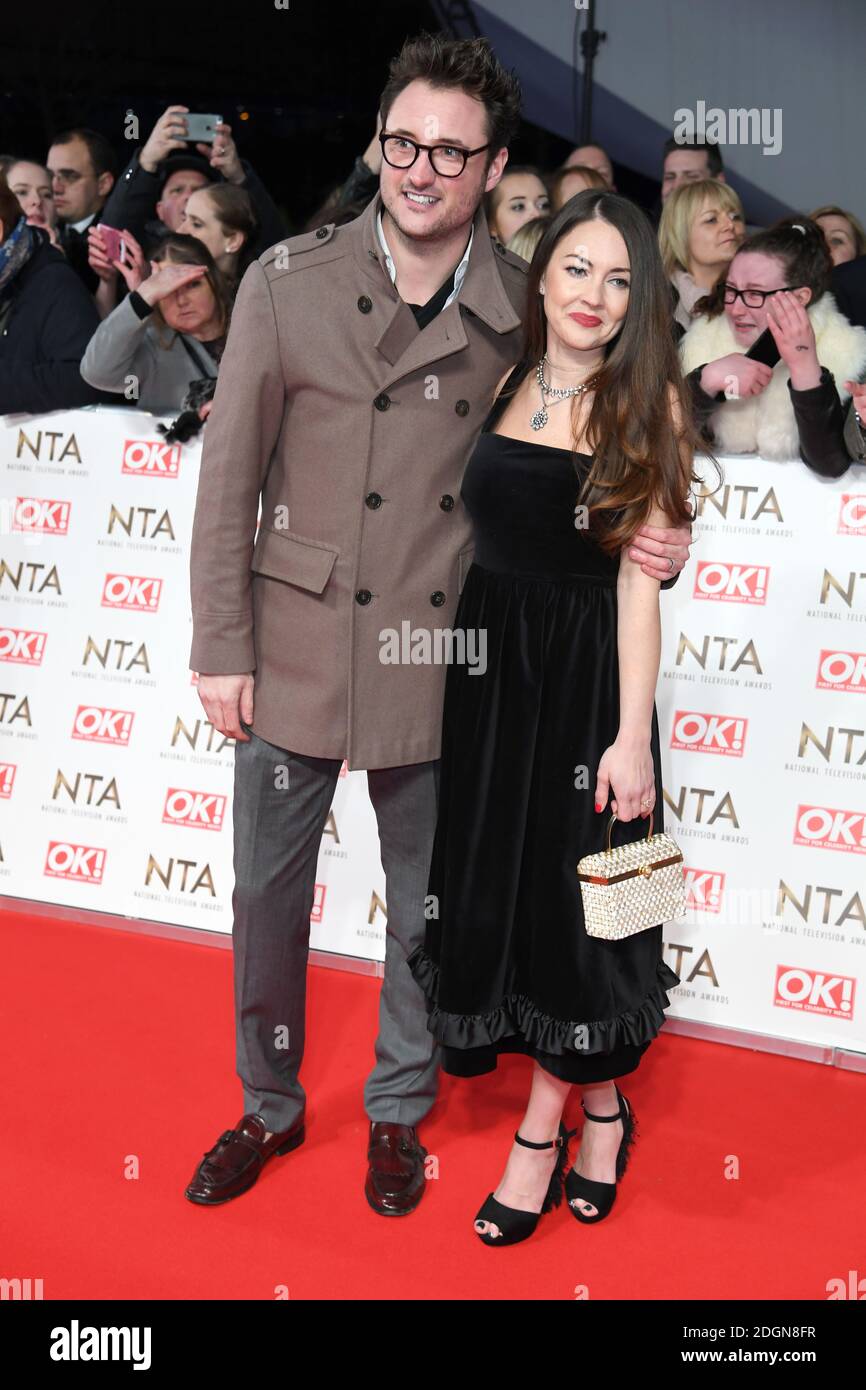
[82, 165]
[145, 203]
[47, 319]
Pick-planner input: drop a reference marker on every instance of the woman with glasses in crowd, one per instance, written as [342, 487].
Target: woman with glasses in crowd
[777, 282]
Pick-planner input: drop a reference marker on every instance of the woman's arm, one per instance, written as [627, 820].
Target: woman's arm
[821, 427]
[118, 352]
[638, 642]
[818, 410]
[626, 767]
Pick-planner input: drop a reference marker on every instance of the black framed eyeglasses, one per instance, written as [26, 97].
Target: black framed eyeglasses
[448, 160]
[754, 299]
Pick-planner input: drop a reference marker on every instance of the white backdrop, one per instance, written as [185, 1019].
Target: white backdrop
[115, 792]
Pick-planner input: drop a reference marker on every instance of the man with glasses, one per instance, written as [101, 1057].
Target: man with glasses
[359, 367]
[82, 167]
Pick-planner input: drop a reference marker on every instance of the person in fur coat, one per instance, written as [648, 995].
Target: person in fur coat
[777, 280]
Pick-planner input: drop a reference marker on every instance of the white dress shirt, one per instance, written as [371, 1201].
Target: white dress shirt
[458, 274]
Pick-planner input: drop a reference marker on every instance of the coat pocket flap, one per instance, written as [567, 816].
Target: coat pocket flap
[294, 559]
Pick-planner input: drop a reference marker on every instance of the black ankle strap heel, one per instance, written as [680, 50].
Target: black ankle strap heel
[602, 1195]
[517, 1225]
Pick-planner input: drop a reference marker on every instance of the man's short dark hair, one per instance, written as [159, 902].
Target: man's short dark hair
[469, 65]
[102, 155]
[714, 154]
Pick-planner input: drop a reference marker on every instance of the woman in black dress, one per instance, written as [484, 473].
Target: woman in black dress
[560, 715]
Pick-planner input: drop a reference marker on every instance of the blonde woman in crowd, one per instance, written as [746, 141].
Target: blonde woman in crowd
[702, 225]
[527, 237]
[843, 233]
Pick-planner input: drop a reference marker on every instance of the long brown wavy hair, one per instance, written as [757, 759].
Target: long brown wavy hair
[637, 460]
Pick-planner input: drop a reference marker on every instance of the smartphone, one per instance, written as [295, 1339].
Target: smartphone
[202, 129]
[115, 246]
[765, 349]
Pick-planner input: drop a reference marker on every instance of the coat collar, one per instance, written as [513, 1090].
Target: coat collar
[482, 293]
[457, 276]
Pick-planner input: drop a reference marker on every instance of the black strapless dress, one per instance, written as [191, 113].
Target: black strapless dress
[507, 966]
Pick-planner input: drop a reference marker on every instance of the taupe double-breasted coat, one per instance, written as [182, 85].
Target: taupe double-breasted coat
[355, 427]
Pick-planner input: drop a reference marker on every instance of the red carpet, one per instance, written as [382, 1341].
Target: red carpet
[119, 1045]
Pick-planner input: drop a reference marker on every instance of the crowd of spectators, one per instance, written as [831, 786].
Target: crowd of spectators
[118, 286]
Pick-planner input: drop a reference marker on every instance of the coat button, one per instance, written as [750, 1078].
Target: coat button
[382, 401]
[446, 502]
[322, 232]
[365, 304]
[373, 500]
[363, 596]
[462, 407]
[437, 598]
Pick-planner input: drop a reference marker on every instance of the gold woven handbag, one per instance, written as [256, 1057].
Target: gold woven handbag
[632, 887]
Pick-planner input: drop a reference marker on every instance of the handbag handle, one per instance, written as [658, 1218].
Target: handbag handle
[610, 828]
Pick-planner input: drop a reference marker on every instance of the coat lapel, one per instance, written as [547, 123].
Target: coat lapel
[402, 347]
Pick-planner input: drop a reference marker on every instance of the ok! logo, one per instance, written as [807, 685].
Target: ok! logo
[827, 827]
[78, 863]
[148, 458]
[22, 645]
[99, 724]
[199, 810]
[721, 582]
[48, 516]
[814, 991]
[695, 731]
[137, 593]
[842, 671]
[704, 889]
[852, 514]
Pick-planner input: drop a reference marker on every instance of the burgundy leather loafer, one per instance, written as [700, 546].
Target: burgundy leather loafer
[395, 1178]
[234, 1163]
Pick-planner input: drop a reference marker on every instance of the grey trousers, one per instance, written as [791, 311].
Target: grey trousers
[279, 817]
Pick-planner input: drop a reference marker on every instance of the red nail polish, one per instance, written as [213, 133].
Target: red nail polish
[598, 805]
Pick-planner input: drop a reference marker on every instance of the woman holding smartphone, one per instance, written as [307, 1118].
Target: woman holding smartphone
[589, 438]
